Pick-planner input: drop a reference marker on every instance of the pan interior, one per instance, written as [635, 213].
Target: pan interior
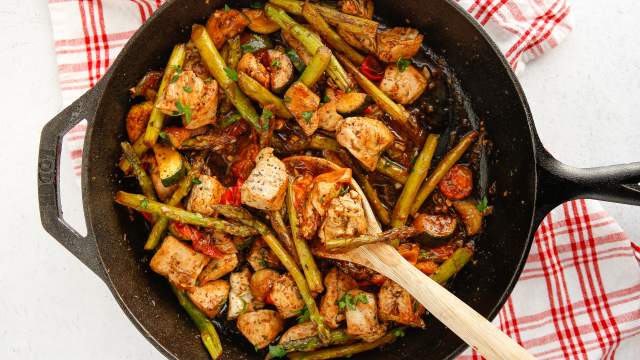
[495, 96]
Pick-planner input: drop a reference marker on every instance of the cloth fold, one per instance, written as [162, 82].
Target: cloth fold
[579, 294]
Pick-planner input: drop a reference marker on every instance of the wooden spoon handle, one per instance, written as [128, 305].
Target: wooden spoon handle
[459, 317]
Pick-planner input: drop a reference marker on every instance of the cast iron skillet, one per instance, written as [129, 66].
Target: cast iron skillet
[535, 181]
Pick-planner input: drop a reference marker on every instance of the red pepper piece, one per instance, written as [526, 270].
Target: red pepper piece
[201, 242]
[231, 196]
[372, 68]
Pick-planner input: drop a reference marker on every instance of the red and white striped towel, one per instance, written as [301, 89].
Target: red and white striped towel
[579, 294]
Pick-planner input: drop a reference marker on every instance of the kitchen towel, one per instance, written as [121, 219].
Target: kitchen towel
[579, 294]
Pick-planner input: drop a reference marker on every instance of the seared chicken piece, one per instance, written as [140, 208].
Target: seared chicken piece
[261, 256]
[298, 332]
[303, 103]
[297, 46]
[162, 191]
[193, 62]
[240, 298]
[403, 86]
[225, 24]
[260, 327]
[137, 119]
[398, 42]
[178, 262]
[362, 315]
[280, 70]
[217, 268]
[205, 195]
[308, 222]
[193, 98]
[395, 304]
[328, 117]
[360, 8]
[262, 282]
[286, 297]
[365, 41]
[345, 218]
[337, 284]
[260, 22]
[211, 297]
[365, 138]
[251, 65]
[265, 187]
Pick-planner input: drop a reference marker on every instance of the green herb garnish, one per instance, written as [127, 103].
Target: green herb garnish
[306, 115]
[403, 64]
[188, 89]
[226, 8]
[344, 190]
[303, 315]
[326, 99]
[196, 181]
[275, 63]
[230, 119]
[163, 135]
[287, 99]
[144, 203]
[348, 301]
[398, 332]
[232, 74]
[256, 5]
[266, 116]
[185, 110]
[177, 70]
[277, 351]
[483, 205]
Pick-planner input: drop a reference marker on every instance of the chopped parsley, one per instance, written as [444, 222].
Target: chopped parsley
[177, 70]
[266, 116]
[256, 5]
[326, 99]
[163, 135]
[196, 181]
[306, 115]
[226, 8]
[303, 315]
[287, 99]
[230, 119]
[344, 190]
[483, 205]
[348, 301]
[403, 64]
[295, 59]
[232, 74]
[398, 332]
[275, 63]
[144, 203]
[277, 351]
[184, 110]
[188, 89]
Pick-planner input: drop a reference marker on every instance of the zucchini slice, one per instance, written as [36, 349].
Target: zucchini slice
[170, 164]
[436, 226]
[260, 22]
[251, 43]
[352, 103]
[281, 70]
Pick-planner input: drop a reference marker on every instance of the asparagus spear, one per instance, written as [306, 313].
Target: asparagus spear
[392, 169]
[262, 95]
[316, 67]
[235, 52]
[212, 142]
[391, 235]
[311, 272]
[452, 265]
[441, 170]
[243, 216]
[336, 337]
[184, 186]
[223, 74]
[143, 179]
[331, 37]
[416, 177]
[345, 350]
[310, 40]
[278, 225]
[208, 333]
[156, 119]
[144, 204]
[331, 15]
[396, 111]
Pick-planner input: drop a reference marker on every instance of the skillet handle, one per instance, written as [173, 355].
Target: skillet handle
[559, 183]
[82, 247]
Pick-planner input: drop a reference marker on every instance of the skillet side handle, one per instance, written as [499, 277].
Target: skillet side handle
[559, 183]
[83, 248]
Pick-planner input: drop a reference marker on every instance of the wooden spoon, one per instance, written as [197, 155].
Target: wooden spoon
[459, 317]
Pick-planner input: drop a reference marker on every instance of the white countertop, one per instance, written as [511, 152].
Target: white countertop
[583, 96]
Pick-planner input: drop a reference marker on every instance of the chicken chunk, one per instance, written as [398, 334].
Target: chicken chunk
[395, 304]
[360, 8]
[205, 195]
[217, 268]
[286, 297]
[261, 283]
[251, 65]
[260, 327]
[193, 62]
[337, 284]
[398, 42]
[298, 332]
[262, 257]
[193, 98]
[303, 103]
[328, 117]
[280, 70]
[225, 24]
[362, 315]
[240, 297]
[265, 187]
[178, 262]
[365, 139]
[403, 86]
[137, 119]
[345, 218]
[210, 298]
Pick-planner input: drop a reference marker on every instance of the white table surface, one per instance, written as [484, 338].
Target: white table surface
[583, 94]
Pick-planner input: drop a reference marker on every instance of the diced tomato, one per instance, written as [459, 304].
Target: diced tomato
[369, 109]
[458, 183]
[377, 279]
[427, 267]
[245, 161]
[410, 252]
[445, 251]
[267, 299]
[236, 129]
[231, 196]
[372, 68]
[147, 217]
[201, 242]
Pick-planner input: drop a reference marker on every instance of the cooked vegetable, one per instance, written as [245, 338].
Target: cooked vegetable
[471, 216]
[392, 169]
[220, 72]
[309, 267]
[296, 60]
[345, 350]
[147, 86]
[436, 226]
[416, 177]
[397, 112]
[137, 119]
[311, 42]
[331, 15]
[316, 67]
[143, 204]
[235, 52]
[458, 183]
[391, 235]
[252, 43]
[225, 24]
[352, 103]
[303, 337]
[281, 230]
[259, 22]
[452, 265]
[441, 170]
[143, 179]
[361, 8]
[208, 333]
[262, 95]
[331, 37]
[212, 142]
[398, 43]
[170, 164]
